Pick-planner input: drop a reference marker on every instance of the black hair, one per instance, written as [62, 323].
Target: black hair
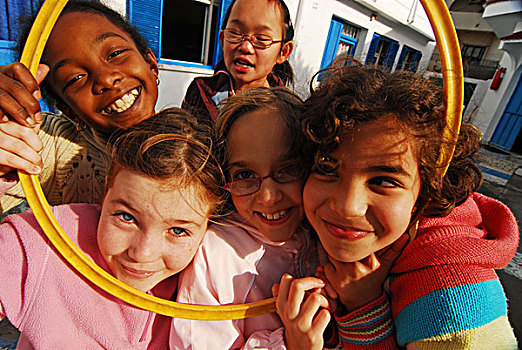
[283, 70]
[87, 6]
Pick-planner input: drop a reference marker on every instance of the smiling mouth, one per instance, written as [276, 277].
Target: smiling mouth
[275, 216]
[138, 274]
[123, 103]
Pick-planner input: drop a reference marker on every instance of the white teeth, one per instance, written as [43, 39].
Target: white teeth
[123, 103]
[275, 216]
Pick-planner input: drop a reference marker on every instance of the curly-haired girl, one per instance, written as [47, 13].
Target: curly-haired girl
[377, 138]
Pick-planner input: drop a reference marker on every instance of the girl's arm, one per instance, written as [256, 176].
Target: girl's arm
[303, 310]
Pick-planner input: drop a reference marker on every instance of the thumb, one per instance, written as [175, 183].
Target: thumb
[41, 72]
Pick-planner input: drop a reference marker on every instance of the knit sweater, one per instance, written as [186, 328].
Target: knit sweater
[204, 94]
[74, 165]
[443, 290]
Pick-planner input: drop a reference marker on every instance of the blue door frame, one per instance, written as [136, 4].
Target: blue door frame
[510, 123]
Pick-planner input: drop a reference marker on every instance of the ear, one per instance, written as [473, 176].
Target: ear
[285, 52]
[221, 38]
[150, 58]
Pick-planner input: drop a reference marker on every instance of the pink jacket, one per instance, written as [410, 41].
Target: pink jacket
[234, 265]
[53, 306]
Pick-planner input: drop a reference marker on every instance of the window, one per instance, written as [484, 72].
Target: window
[181, 30]
[409, 59]
[382, 51]
[472, 54]
[341, 42]
[10, 11]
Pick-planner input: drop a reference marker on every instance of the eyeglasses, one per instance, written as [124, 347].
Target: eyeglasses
[244, 187]
[259, 41]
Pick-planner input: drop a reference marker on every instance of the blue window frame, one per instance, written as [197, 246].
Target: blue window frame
[409, 59]
[183, 31]
[10, 12]
[342, 41]
[382, 51]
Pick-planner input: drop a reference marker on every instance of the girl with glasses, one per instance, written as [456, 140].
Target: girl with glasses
[261, 143]
[257, 40]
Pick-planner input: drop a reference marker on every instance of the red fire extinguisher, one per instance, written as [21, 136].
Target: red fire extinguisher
[497, 79]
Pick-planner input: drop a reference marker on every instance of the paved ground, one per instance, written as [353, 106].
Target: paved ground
[502, 180]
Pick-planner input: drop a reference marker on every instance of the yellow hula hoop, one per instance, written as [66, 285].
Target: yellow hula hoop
[453, 84]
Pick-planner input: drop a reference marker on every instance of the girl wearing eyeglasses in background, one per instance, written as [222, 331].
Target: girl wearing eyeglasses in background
[257, 40]
[260, 136]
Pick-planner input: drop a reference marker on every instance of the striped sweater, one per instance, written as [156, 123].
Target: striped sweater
[443, 292]
[74, 165]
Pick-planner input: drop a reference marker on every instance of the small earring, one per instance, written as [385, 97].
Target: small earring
[157, 80]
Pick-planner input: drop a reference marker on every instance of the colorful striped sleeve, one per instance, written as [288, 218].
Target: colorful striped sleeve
[368, 327]
[436, 308]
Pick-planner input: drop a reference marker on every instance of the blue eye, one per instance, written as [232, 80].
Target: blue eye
[178, 231]
[126, 217]
[243, 174]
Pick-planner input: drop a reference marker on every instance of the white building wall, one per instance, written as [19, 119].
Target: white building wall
[312, 21]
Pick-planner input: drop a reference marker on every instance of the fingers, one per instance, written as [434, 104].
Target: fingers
[19, 147]
[19, 91]
[297, 293]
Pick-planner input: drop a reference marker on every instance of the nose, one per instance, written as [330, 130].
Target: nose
[105, 79]
[269, 193]
[246, 46]
[349, 201]
[145, 247]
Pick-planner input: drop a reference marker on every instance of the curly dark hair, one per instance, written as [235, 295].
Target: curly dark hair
[351, 95]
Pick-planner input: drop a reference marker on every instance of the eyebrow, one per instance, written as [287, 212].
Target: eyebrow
[259, 28]
[171, 222]
[97, 41]
[397, 169]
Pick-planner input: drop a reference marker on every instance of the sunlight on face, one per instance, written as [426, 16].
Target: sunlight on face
[99, 73]
[150, 229]
[250, 66]
[257, 145]
[366, 203]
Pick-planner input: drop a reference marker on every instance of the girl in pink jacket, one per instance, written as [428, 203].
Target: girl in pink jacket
[266, 236]
[163, 185]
